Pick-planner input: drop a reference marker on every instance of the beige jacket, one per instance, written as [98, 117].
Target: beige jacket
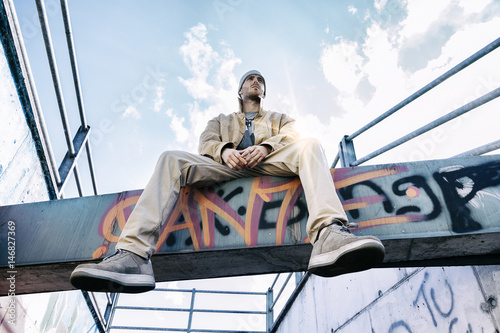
[273, 129]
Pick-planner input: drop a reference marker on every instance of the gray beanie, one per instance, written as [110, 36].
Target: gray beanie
[247, 74]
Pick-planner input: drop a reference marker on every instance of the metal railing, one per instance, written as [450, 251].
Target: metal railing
[74, 144]
[57, 177]
[265, 315]
[347, 155]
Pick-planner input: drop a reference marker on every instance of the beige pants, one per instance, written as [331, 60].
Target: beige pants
[176, 169]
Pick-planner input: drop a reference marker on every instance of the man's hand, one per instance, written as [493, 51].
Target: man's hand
[233, 159]
[241, 159]
[255, 154]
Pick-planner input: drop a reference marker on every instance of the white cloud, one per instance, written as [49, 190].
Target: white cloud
[342, 65]
[475, 6]
[351, 9]
[212, 82]
[421, 15]
[380, 4]
[131, 112]
[158, 100]
[181, 133]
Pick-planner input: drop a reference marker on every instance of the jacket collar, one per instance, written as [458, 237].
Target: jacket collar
[261, 113]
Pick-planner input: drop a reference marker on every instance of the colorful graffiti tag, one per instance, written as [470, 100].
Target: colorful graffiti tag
[391, 199]
[197, 209]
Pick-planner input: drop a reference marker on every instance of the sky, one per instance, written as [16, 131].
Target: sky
[154, 72]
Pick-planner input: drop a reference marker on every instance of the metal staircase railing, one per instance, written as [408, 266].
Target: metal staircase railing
[347, 155]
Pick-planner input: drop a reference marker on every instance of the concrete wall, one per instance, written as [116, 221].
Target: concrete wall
[451, 299]
[21, 176]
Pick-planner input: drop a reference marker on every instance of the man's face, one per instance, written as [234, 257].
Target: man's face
[252, 87]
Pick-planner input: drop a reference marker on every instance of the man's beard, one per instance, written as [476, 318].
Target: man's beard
[256, 98]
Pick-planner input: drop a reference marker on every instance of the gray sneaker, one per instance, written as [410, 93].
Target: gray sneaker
[337, 252]
[122, 272]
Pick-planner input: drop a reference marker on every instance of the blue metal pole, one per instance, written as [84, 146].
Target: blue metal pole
[190, 320]
[481, 150]
[269, 310]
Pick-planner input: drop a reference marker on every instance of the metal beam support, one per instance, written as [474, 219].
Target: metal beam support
[418, 209]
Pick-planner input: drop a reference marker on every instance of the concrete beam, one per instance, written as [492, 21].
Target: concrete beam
[442, 212]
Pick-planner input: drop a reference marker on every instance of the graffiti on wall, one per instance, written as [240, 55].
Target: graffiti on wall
[373, 197]
[438, 303]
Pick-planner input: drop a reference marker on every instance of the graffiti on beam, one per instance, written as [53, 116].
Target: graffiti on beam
[263, 205]
[462, 186]
[397, 195]
[270, 210]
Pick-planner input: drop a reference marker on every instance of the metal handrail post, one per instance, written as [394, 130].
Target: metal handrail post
[346, 152]
[269, 310]
[109, 316]
[191, 308]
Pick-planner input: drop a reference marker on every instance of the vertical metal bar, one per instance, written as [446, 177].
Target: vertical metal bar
[191, 308]
[346, 152]
[298, 277]
[91, 168]
[76, 173]
[55, 74]
[110, 311]
[269, 309]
